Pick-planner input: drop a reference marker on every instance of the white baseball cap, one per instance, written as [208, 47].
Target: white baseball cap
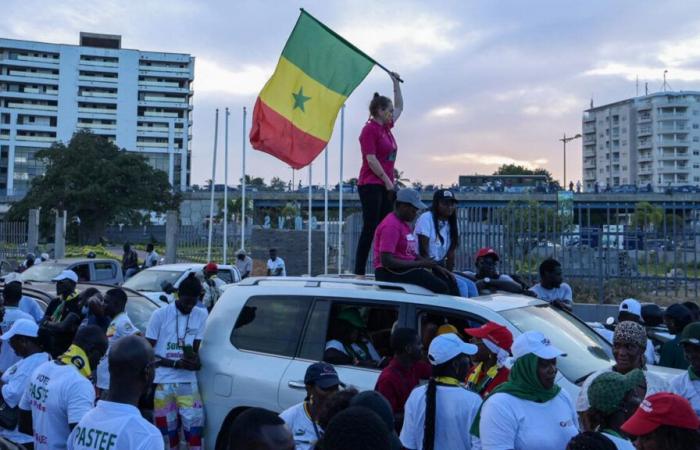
[631, 306]
[448, 346]
[12, 277]
[535, 342]
[67, 275]
[21, 327]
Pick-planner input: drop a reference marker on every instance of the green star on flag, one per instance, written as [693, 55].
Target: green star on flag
[300, 99]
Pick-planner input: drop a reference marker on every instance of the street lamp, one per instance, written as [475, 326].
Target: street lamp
[565, 140]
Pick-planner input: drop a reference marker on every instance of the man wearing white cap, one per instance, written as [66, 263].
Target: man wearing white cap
[438, 415]
[26, 304]
[22, 337]
[63, 315]
[11, 293]
[244, 263]
[529, 412]
[631, 310]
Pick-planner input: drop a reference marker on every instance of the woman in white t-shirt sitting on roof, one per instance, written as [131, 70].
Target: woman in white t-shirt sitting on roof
[438, 237]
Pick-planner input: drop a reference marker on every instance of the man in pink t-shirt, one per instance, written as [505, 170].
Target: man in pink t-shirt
[396, 256]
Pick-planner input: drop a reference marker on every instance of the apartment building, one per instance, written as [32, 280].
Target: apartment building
[650, 140]
[140, 100]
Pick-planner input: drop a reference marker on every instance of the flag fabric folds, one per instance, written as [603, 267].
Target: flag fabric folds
[295, 112]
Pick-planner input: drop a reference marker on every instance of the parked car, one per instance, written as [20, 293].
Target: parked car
[89, 270]
[151, 282]
[138, 307]
[264, 332]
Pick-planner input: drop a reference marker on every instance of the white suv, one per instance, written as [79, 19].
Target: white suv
[264, 332]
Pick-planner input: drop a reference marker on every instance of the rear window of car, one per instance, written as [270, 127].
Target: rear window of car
[271, 324]
[152, 280]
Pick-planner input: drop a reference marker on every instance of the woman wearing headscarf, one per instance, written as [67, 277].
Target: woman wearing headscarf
[529, 412]
[614, 398]
[489, 370]
[629, 343]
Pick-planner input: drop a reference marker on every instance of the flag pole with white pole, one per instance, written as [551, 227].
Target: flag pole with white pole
[325, 215]
[309, 225]
[225, 255]
[340, 195]
[243, 185]
[213, 181]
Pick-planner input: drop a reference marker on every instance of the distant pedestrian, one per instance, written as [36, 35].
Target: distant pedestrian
[213, 285]
[664, 421]
[529, 412]
[275, 265]
[117, 423]
[687, 384]
[357, 428]
[152, 257]
[60, 392]
[130, 261]
[487, 277]
[259, 429]
[676, 317]
[551, 287]
[22, 337]
[490, 361]
[571, 186]
[11, 295]
[321, 381]
[630, 310]
[176, 331]
[376, 183]
[578, 187]
[244, 263]
[404, 372]
[439, 415]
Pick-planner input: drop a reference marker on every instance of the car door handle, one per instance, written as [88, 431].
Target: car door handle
[296, 385]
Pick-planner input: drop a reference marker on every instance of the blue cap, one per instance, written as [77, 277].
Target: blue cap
[323, 375]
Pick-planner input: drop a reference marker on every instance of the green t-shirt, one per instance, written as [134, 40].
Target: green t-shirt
[671, 355]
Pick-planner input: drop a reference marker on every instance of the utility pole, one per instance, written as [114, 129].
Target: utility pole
[564, 140]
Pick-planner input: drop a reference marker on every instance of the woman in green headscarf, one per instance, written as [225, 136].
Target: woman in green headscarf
[529, 412]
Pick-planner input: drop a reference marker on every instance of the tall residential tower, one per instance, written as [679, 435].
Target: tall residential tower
[141, 101]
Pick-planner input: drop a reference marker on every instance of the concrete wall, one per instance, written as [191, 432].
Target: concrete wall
[291, 246]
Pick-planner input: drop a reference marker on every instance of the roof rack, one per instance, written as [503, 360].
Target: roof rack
[317, 281]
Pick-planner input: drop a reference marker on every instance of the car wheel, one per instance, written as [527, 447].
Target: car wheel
[224, 432]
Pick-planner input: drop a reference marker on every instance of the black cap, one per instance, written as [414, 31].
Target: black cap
[323, 375]
[444, 194]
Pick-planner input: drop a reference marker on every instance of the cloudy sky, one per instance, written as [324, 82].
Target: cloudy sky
[487, 82]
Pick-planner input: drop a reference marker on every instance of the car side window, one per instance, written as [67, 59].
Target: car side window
[83, 272]
[271, 324]
[225, 276]
[105, 271]
[432, 322]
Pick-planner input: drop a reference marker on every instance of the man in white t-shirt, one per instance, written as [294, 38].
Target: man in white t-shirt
[175, 332]
[59, 392]
[551, 287]
[275, 265]
[26, 304]
[152, 257]
[630, 310]
[23, 338]
[117, 424]
[11, 293]
[244, 263]
[120, 326]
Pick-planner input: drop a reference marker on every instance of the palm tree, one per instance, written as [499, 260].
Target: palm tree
[399, 179]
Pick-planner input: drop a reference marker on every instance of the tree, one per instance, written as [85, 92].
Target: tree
[95, 181]
[647, 217]
[276, 184]
[255, 182]
[514, 169]
[400, 180]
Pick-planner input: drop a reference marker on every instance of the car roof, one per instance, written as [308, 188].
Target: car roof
[181, 267]
[68, 261]
[50, 288]
[377, 290]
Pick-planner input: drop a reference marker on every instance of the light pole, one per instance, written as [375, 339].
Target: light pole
[565, 140]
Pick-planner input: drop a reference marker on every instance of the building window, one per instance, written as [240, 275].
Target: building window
[696, 139]
[696, 126]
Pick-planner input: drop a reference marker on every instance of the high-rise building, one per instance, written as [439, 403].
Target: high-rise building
[649, 140]
[140, 100]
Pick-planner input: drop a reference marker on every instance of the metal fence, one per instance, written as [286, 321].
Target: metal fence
[192, 242]
[607, 253]
[13, 244]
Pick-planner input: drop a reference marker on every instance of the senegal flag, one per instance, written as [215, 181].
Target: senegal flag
[295, 112]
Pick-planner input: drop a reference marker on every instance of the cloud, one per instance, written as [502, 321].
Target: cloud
[631, 72]
[488, 160]
[442, 112]
[541, 101]
[248, 80]
[681, 52]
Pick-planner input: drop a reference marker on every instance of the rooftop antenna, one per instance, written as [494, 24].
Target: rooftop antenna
[646, 88]
[666, 85]
[591, 101]
[636, 94]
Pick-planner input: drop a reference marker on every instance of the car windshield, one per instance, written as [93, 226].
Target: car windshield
[139, 310]
[585, 350]
[44, 272]
[151, 280]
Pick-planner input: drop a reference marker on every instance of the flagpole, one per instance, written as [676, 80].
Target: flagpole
[243, 184]
[325, 215]
[213, 181]
[340, 203]
[226, 187]
[309, 225]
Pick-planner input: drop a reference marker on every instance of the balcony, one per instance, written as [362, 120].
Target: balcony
[32, 106]
[39, 59]
[644, 118]
[671, 116]
[98, 79]
[26, 74]
[645, 157]
[645, 171]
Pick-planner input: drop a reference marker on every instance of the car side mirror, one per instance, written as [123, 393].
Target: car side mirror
[163, 299]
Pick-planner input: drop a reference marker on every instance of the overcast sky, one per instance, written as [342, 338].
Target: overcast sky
[487, 82]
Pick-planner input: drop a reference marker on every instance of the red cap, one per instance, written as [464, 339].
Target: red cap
[496, 333]
[487, 251]
[211, 267]
[661, 409]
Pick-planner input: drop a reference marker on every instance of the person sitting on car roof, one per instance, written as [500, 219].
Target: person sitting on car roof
[551, 287]
[63, 315]
[487, 278]
[350, 346]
